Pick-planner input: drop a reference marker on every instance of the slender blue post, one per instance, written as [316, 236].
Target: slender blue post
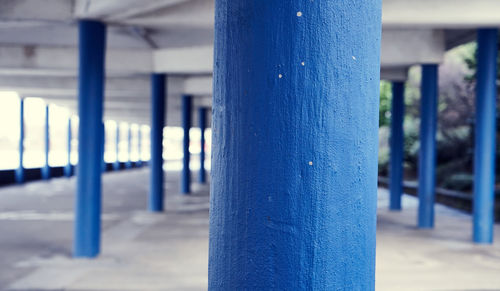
[46, 167]
[202, 114]
[67, 169]
[116, 164]
[397, 145]
[427, 155]
[186, 126]
[158, 90]
[139, 146]
[484, 156]
[128, 164]
[20, 169]
[295, 141]
[92, 39]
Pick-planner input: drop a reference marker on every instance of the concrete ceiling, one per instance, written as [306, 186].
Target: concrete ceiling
[38, 40]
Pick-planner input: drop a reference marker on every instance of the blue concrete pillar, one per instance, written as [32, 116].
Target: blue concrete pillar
[67, 169]
[116, 164]
[20, 169]
[46, 166]
[202, 114]
[295, 142]
[92, 45]
[158, 91]
[396, 145]
[128, 164]
[187, 107]
[139, 146]
[427, 155]
[484, 155]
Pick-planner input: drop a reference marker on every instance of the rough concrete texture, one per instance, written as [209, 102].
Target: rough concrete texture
[143, 251]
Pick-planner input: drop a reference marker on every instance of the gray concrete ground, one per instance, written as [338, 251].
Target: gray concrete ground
[143, 251]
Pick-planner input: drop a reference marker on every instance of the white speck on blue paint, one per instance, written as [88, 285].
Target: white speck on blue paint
[303, 64]
[310, 163]
[299, 14]
[353, 57]
[280, 76]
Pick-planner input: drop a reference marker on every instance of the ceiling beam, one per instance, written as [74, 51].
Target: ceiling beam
[36, 10]
[407, 47]
[394, 74]
[441, 13]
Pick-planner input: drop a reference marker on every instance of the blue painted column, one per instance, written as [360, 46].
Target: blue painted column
[202, 114]
[116, 164]
[396, 145]
[128, 164]
[68, 169]
[92, 45]
[295, 142]
[427, 155]
[20, 169]
[46, 167]
[139, 146]
[484, 155]
[158, 91]
[187, 107]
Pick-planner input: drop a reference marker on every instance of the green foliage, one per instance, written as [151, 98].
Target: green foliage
[385, 103]
[455, 120]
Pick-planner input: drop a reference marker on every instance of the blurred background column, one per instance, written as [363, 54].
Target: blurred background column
[484, 152]
[92, 46]
[427, 155]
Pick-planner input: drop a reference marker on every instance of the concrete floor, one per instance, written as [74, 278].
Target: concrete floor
[142, 251]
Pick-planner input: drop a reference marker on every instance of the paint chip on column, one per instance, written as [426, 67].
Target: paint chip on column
[310, 163]
[303, 64]
[299, 14]
[353, 57]
[280, 76]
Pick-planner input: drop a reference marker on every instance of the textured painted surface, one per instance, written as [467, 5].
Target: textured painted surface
[158, 91]
[68, 168]
[92, 44]
[295, 142]
[397, 145]
[46, 148]
[187, 108]
[202, 118]
[427, 154]
[484, 155]
[20, 169]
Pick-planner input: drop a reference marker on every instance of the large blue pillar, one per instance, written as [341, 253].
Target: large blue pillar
[187, 107]
[46, 166]
[158, 90]
[20, 169]
[396, 145]
[92, 45]
[67, 169]
[427, 155]
[128, 164]
[295, 142]
[116, 164]
[202, 115]
[484, 156]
